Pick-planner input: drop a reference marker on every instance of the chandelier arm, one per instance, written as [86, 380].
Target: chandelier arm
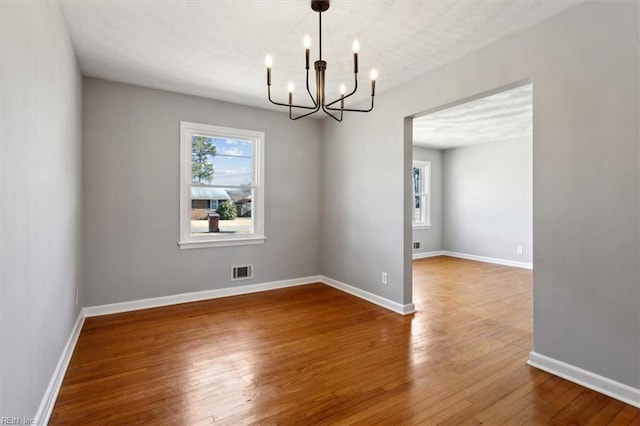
[287, 105]
[291, 117]
[355, 87]
[293, 105]
[331, 115]
[353, 109]
[315, 104]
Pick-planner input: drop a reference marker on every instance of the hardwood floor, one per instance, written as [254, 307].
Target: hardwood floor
[314, 355]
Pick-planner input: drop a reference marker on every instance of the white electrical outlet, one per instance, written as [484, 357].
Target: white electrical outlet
[519, 249]
[384, 278]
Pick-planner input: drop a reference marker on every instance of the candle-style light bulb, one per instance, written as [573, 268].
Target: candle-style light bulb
[307, 45]
[268, 61]
[290, 89]
[374, 76]
[343, 89]
[355, 46]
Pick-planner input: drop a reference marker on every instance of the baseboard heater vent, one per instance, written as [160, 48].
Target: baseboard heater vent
[417, 245]
[241, 272]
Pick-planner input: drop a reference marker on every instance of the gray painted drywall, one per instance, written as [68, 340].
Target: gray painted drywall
[131, 191]
[40, 130]
[487, 199]
[431, 238]
[363, 224]
[584, 67]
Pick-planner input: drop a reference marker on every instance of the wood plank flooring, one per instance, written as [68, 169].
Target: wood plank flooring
[314, 355]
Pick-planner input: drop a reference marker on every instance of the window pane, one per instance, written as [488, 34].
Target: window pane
[233, 214]
[417, 210]
[232, 171]
[417, 180]
[221, 161]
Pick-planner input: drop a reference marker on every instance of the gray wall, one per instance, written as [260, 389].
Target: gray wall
[131, 195]
[363, 225]
[487, 200]
[584, 66]
[40, 132]
[431, 238]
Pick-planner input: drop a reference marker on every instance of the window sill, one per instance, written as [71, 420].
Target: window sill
[421, 226]
[194, 244]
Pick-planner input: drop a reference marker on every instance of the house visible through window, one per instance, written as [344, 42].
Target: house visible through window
[221, 186]
[421, 175]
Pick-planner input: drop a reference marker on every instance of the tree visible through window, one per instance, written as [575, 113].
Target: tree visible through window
[202, 149]
[222, 190]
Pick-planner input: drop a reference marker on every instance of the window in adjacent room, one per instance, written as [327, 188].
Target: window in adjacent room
[221, 186]
[421, 175]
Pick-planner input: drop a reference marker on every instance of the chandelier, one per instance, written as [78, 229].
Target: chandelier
[319, 101]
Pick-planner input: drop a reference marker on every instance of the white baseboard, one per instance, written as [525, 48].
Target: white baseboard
[370, 297]
[504, 262]
[426, 254]
[48, 401]
[51, 394]
[617, 390]
[197, 296]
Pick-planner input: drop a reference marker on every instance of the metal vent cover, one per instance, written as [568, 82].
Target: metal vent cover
[241, 272]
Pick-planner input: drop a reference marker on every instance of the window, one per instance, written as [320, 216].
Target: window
[221, 186]
[421, 175]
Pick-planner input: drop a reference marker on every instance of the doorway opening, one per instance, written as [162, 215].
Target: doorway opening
[472, 197]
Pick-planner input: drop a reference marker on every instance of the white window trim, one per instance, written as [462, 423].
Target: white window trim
[421, 226]
[187, 129]
[426, 185]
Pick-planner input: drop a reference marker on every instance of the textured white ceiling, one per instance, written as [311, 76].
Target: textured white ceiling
[503, 116]
[217, 48]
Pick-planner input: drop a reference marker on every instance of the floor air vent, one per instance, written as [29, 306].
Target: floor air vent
[243, 272]
[417, 245]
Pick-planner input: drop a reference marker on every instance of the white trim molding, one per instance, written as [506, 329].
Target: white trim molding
[485, 259]
[156, 302]
[620, 391]
[370, 297]
[49, 399]
[257, 236]
[51, 394]
[420, 227]
[426, 254]
[194, 244]
[197, 296]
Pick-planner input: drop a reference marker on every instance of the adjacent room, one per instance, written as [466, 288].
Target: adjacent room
[472, 179]
[319, 212]
[472, 200]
